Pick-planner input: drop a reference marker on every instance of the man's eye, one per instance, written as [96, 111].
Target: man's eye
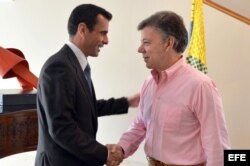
[104, 33]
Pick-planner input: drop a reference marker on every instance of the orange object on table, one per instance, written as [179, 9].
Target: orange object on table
[14, 64]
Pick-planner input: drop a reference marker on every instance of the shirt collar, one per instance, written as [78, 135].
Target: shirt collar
[79, 55]
[170, 72]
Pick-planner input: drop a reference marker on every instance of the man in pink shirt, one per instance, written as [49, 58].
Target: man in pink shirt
[180, 113]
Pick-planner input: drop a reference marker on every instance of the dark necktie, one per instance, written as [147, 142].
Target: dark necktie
[87, 73]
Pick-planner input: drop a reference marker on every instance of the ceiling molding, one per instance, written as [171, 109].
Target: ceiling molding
[238, 9]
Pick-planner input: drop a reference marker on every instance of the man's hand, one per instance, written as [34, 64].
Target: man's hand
[133, 101]
[115, 155]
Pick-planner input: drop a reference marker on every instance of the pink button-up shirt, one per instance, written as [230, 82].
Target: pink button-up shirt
[181, 118]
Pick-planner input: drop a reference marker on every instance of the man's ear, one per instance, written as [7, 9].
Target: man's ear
[82, 29]
[170, 42]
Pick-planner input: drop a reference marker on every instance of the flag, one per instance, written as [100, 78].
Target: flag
[197, 50]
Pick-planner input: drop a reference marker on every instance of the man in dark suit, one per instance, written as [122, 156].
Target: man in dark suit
[66, 102]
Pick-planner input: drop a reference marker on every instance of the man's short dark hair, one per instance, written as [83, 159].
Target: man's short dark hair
[169, 24]
[86, 13]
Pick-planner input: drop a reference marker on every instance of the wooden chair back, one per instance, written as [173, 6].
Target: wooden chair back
[18, 132]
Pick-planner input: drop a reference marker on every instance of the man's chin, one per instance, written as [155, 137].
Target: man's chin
[148, 66]
[94, 55]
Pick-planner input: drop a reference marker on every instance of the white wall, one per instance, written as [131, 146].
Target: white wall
[228, 55]
[38, 28]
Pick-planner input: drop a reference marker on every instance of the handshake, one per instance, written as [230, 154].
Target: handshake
[115, 155]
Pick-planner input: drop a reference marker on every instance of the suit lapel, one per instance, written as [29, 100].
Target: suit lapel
[80, 75]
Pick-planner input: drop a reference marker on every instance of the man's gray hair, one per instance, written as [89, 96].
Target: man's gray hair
[169, 24]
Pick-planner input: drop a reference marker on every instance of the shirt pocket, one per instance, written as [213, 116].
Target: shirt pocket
[169, 117]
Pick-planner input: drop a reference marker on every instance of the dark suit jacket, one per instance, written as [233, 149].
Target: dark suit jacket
[67, 114]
